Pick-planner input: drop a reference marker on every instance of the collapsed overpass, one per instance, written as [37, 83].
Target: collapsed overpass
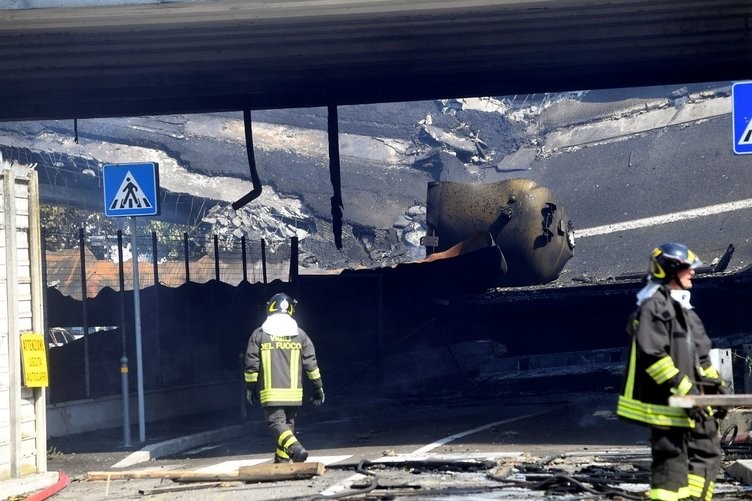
[197, 57]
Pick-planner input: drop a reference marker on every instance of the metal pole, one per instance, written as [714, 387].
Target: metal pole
[126, 406]
[245, 265]
[155, 258]
[380, 324]
[157, 311]
[263, 258]
[124, 358]
[82, 252]
[137, 322]
[293, 278]
[334, 174]
[187, 258]
[46, 328]
[216, 257]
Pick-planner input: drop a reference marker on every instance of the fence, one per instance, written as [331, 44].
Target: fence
[195, 295]
[85, 264]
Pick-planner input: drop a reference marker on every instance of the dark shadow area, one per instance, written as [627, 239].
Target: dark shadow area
[399, 327]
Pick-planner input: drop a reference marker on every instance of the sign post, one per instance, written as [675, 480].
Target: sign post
[741, 117]
[131, 190]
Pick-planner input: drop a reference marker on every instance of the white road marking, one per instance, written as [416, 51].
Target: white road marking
[327, 460]
[673, 217]
[234, 465]
[451, 438]
[231, 466]
[347, 483]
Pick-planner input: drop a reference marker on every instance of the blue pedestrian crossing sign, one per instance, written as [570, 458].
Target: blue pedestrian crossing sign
[741, 116]
[131, 189]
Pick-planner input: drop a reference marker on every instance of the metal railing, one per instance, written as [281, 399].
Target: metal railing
[100, 261]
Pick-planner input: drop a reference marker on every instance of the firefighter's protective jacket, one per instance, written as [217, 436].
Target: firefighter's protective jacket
[277, 354]
[669, 355]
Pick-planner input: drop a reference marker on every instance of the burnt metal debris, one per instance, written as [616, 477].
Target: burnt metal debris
[597, 479]
[527, 221]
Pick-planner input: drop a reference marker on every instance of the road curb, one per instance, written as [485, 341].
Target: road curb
[28, 484]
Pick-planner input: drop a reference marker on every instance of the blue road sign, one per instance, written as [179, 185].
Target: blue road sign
[741, 117]
[131, 189]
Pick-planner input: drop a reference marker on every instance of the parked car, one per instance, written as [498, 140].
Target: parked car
[58, 336]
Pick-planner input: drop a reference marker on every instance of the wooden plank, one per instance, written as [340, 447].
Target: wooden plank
[689, 401]
[281, 471]
[147, 474]
[255, 473]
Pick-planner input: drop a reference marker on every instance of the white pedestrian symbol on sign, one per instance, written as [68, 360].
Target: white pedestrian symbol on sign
[129, 195]
[746, 137]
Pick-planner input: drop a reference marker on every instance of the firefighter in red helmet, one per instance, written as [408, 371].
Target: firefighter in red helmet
[278, 353]
[670, 355]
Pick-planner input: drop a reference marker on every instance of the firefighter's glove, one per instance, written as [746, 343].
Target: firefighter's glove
[712, 386]
[250, 394]
[681, 385]
[719, 413]
[711, 380]
[699, 413]
[318, 397]
[721, 388]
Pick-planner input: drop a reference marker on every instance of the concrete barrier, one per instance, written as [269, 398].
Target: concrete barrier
[80, 416]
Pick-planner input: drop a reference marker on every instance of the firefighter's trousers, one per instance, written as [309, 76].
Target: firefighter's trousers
[705, 458]
[685, 462]
[670, 464]
[281, 423]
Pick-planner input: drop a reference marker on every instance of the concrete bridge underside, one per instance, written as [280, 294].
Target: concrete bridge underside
[197, 57]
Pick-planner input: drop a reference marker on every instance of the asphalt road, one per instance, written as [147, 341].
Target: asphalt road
[521, 431]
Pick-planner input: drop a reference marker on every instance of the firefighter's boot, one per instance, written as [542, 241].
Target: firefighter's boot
[281, 456]
[297, 452]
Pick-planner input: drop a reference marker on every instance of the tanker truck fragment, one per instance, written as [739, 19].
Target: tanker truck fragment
[526, 221]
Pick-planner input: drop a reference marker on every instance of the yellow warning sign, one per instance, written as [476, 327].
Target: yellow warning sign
[34, 357]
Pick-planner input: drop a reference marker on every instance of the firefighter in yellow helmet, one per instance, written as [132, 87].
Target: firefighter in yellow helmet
[670, 355]
[277, 354]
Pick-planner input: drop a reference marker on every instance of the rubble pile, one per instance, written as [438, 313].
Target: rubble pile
[277, 223]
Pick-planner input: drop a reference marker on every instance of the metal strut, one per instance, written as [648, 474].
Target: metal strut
[334, 174]
[256, 191]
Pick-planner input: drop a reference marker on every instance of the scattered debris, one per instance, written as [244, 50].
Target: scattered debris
[180, 488]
